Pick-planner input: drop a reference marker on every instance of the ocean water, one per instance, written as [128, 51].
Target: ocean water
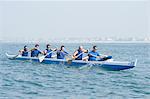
[29, 80]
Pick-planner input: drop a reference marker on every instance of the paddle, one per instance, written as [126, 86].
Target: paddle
[102, 59]
[43, 57]
[70, 60]
[105, 58]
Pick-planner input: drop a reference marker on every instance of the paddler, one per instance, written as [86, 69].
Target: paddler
[93, 55]
[78, 54]
[35, 51]
[24, 51]
[49, 50]
[61, 53]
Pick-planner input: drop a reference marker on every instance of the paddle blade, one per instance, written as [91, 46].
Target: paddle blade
[69, 61]
[41, 58]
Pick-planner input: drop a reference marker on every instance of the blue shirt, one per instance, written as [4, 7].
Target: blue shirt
[92, 55]
[35, 53]
[61, 54]
[49, 55]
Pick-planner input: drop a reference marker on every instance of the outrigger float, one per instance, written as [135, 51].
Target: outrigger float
[109, 64]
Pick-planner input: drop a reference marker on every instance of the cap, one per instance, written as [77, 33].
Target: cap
[48, 45]
[36, 45]
[25, 46]
[95, 47]
[62, 46]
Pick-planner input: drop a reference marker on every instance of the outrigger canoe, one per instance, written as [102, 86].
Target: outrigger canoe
[110, 65]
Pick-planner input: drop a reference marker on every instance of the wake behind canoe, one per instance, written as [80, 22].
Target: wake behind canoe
[111, 65]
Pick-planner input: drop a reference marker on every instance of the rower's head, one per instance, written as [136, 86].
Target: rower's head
[94, 48]
[25, 48]
[80, 47]
[48, 46]
[36, 46]
[62, 47]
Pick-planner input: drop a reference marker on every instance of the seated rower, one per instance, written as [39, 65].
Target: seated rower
[24, 51]
[93, 55]
[62, 53]
[35, 51]
[49, 50]
[78, 54]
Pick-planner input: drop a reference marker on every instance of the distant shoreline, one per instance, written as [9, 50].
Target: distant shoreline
[73, 42]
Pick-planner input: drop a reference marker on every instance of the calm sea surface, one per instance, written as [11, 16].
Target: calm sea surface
[29, 80]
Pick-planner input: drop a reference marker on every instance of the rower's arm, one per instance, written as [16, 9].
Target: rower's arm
[45, 52]
[98, 55]
[41, 52]
[85, 51]
[31, 50]
[102, 55]
[89, 54]
[75, 53]
[66, 53]
[20, 52]
[85, 58]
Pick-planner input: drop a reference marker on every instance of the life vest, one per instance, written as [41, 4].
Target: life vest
[79, 57]
[25, 53]
[35, 53]
[49, 55]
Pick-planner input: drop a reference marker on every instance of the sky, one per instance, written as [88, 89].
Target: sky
[68, 19]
